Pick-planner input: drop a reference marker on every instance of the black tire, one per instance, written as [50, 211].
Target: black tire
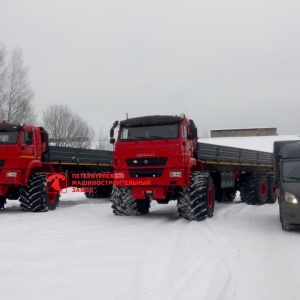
[34, 196]
[244, 192]
[123, 204]
[271, 190]
[244, 187]
[258, 186]
[2, 201]
[100, 192]
[196, 202]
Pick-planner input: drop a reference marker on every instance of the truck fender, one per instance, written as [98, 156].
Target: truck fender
[32, 165]
[191, 162]
[195, 165]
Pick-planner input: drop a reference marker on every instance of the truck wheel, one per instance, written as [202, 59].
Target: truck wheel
[100, 192]
[34, 196]
[196, 202]
[271, 190]
[2, 201]
[244, 192]
[258, 186]
[244, 187]
[123, 204]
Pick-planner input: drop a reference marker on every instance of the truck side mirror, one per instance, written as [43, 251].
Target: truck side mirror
[111, 133]
[112, 140]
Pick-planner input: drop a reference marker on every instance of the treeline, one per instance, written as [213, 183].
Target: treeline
[65, 127]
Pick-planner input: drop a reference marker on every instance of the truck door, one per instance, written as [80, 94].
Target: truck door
[27, 145]
[186, 144]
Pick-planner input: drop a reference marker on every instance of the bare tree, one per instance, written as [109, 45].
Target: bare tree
[102, 141]
[19, 95]
[67, 128]
[15, 92]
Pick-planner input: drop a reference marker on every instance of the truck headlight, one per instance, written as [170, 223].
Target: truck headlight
[290, 198]
[175, 174]
[119, 175]
[11, 174]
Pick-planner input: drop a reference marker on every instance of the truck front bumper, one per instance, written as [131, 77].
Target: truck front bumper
[10, 177]
[290, 212]
[150, 192]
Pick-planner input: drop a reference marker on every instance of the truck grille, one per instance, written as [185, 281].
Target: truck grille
[146, 173]
[2, 162]
[153, 161]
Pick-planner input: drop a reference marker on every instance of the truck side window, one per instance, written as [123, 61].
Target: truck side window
[124, 133]
[23, 137]
[27, 137]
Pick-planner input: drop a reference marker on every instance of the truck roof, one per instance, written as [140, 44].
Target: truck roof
[150, 120]
[9, 127]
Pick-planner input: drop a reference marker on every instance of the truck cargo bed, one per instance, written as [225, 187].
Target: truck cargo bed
[89, 159]
[223, 158]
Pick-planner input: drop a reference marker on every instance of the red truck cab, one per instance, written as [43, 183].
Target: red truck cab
[155, 158]
[27, 162]
[155, 154]
[20, 152]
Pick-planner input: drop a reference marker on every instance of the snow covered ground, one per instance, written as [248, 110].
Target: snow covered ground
[82, 251]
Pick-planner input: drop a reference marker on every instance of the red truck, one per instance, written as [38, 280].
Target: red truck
[27, 164]
[159, 158]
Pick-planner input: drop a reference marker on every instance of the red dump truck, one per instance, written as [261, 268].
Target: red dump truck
[29, 167]
[159, 158]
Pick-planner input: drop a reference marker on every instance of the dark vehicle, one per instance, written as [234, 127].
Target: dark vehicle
[26, 161]
[159, 158]
[287, 173]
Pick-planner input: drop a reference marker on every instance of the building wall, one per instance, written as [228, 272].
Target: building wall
[244, 132]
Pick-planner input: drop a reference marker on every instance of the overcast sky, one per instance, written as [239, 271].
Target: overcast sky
[225, 63]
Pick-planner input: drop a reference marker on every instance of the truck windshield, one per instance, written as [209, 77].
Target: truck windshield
[9, 137]
[170, 131]
[291, 170]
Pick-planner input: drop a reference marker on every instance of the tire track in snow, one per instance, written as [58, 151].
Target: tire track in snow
[182, 258]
